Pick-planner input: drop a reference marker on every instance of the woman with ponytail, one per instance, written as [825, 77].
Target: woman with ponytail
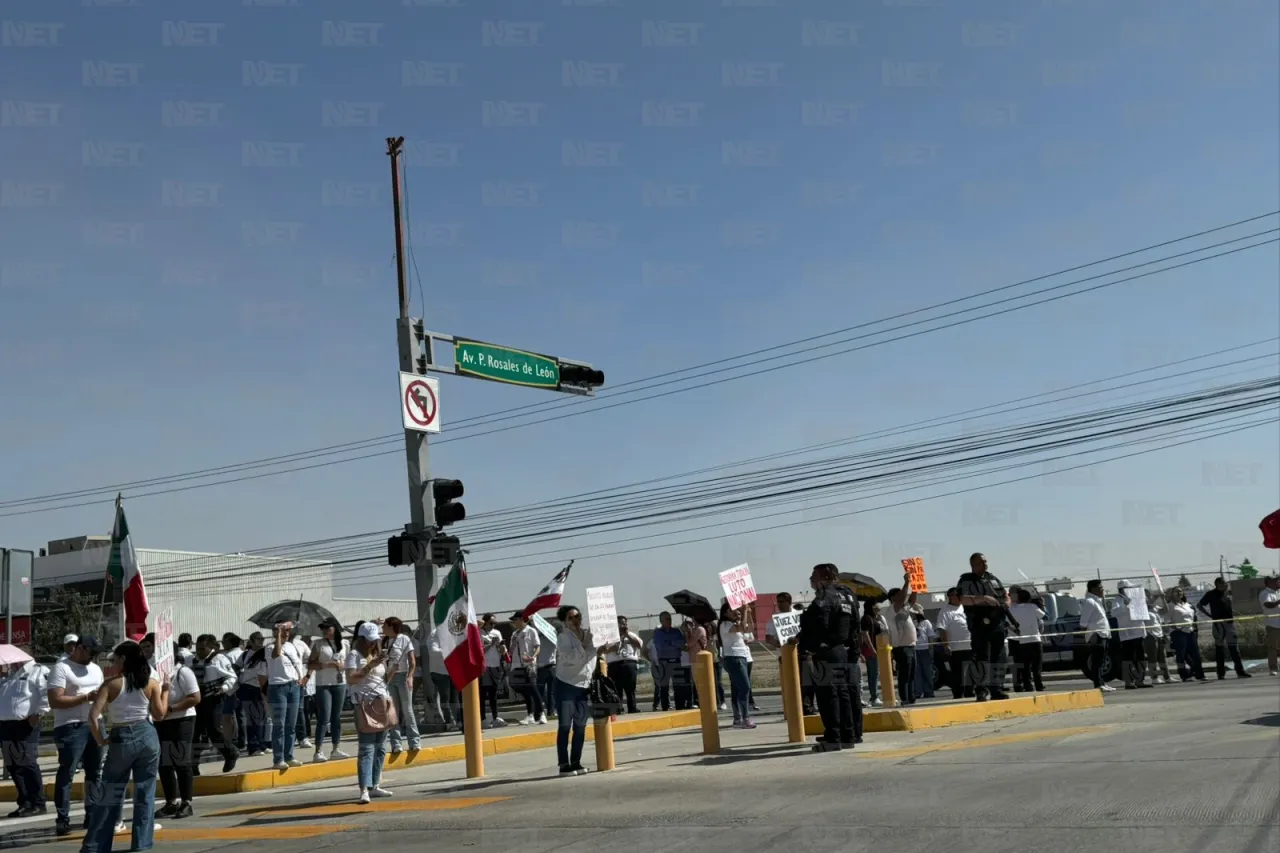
[131, 700]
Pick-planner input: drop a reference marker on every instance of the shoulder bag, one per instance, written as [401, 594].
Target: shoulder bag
[376, 714]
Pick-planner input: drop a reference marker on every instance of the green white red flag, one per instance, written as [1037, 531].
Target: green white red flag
[459, 634]
[122, 569]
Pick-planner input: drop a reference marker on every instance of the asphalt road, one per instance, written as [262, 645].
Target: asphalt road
[1178, 769]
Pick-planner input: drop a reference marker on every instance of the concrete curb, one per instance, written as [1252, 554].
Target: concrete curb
[345, 768]
[960, 713]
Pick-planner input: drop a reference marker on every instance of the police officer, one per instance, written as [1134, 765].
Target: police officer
[24, 699]
[825, 629]
[986, 610]
[853, 653]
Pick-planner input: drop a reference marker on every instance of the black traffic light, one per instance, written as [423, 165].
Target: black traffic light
[444, 493]
[405, 549]
[581, 375]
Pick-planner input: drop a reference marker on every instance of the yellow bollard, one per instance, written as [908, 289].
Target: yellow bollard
[886, 673]
[604, 734]
[704, 676]
[471, 737]
[792, 697]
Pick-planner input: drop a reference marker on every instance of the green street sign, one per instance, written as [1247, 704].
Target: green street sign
[504, 364]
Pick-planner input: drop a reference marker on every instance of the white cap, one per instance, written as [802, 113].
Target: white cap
[70, 638]
[370, 632]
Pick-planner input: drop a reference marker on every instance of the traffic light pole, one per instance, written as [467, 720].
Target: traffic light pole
[421, 508]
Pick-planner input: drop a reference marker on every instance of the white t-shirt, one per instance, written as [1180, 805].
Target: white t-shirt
[1183, 617]
[326, 676]
[626, 651]
[398, 655]
[75, 680]
[953, 621]
[525, 642]
[251, 674]
[182, 685]
[373, 684]
[1028, 616]
[492, 647]
[902, 629]
[924, 634]
[436, 662]
[732, 643]
[1272, 613]
[288, 668]
[234, 655]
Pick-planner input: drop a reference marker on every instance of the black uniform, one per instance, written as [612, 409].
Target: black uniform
[825, 629]
[853, 649]
[988, 630]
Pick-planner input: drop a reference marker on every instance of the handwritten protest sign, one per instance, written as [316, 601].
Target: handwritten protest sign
[602, 615]
[786, 626]
[914, 567]
[164, 646]
[737, 586]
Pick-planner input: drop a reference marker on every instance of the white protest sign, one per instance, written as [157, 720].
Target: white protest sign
[544, 627]
[737, 586]
[786, 626]
[164, 646]
[1137, 598]
[602, 616]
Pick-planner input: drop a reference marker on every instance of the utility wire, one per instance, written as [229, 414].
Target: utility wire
[482, 420]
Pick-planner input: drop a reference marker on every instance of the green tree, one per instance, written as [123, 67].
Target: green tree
[1246, 569]
[66, 612]
[1185, 582]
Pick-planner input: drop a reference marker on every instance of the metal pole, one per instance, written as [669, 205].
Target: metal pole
[421, 508]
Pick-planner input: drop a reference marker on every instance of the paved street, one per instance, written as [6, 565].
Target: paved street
[1189, 768]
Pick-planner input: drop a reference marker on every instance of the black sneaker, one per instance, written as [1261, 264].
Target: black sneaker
[229, 764]
[567, 770]
[1243, 675]
[184, 810]
[61, 828]
[167, 810]
[578, 770]
[32, 811]
[16, 812]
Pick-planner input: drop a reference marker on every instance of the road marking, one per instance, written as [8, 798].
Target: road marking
[980, 742]
[354, 808]
[227, 833]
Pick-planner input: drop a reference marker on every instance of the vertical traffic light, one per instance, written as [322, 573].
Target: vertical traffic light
[444, 493]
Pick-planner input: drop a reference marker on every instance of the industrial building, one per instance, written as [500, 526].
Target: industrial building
[208, 593]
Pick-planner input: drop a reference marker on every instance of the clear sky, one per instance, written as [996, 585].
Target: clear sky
[196, 242]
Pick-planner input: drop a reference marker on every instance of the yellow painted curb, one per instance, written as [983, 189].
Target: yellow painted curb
[959, 713]
[520, 741]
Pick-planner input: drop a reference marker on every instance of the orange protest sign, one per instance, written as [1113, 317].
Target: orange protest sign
[914, 567]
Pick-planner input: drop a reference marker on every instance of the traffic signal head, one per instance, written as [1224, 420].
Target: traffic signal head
[580, 374]
[444, 493]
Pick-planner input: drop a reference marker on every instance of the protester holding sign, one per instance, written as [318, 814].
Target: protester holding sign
[735, 623]
[576, 660]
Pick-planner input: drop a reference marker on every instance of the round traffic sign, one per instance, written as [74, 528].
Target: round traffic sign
[420, 403]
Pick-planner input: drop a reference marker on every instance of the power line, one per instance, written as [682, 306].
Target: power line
[482, 420]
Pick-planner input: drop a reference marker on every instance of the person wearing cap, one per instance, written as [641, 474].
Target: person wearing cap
[68, 644]
[367, 680]
[24, 700]
[73, 685]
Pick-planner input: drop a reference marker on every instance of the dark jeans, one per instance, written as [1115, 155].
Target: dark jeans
[1186, 651]
[924, 674]
[329, 701]
[175, 758]
[208, 731]
[1027, 673]
[718, 669]
[1133, 662]
[855, 694]
[547, 686]
[682, 682]
[625, 674]
[1224, 640]
[830, 673]
[306, 710]
[489, 682]
[451, 699]
[133, 752]
[572, 707]
[904, 664]
[751, 695]
[739, 687]
[20, 742]
[989, 661]
[961, 673]
[663, 673]
[76, 746]
[525, 682]
[255, 719]
[1095, 651]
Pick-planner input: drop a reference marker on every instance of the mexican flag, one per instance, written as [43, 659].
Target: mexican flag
[122, 569]
[460, 643]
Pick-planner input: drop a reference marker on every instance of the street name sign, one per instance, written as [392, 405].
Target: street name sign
[504, 364]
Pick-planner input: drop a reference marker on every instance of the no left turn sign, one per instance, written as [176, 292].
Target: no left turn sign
[419, 402]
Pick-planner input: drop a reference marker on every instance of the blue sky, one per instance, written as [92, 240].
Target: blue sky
[200, 272]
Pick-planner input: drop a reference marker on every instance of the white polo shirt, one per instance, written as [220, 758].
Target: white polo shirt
[75, 679]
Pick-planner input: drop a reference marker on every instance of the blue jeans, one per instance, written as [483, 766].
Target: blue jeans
[924, 673]
[329, 701]
[719, 670]
[407, 729]
[134, 750]
[572, 708]
[373, 751]
[249, 698]
[739, 686]
[75, 745]
[283, 699]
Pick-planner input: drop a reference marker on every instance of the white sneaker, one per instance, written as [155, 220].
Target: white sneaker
[723, 706]
[1160, 679]
[499, 723]
[306, 741]
[293, 762]
[122, 827]
[364, 797]
[527, 721]
[542, 721]
[877, 702]
[337, 753]
[281, 765]
[379, 792]
[318, 758]
[1107, 688]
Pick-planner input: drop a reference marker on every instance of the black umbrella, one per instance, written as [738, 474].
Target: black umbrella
[306, 616]
[690, 604]
[863, 587]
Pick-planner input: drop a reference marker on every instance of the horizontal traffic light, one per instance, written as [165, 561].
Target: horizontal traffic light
[576, 374]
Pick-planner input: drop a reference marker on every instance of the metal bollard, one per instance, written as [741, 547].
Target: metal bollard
[604, 734]
[792, 697]
[886, 673]
[471, 738]
[704, 676]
